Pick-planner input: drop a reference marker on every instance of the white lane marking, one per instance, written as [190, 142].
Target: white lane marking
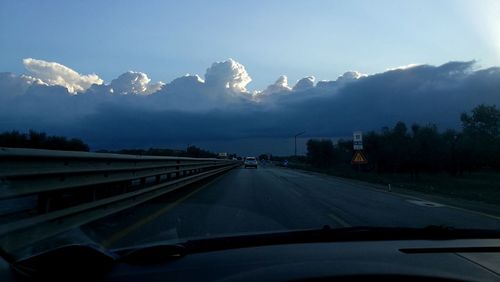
[428, 204]
[291, 174]
[338, 220]
[295, 192]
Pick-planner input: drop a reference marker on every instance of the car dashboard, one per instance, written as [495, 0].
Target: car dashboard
[398, 260]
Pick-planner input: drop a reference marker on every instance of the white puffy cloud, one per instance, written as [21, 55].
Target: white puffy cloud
[31, 80]
[347, 77]
[281, 85]
[304, 83]
[229, 75]
[186, 82]
[350, 76]
[133, 82]
[52, 73]
[403, 67]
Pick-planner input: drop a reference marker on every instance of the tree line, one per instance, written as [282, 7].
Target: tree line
[40, 140]
[421, 148]
[191, 151]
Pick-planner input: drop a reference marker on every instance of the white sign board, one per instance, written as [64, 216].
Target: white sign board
[357, 140]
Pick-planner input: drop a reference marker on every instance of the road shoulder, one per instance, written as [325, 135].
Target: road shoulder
[487, 209]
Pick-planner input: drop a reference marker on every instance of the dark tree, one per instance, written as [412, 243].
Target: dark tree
[481, 136]
[263, 157]
[320, 153]
[195, 152]
[40, 140]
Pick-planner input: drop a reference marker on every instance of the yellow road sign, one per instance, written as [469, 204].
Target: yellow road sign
[359, 158]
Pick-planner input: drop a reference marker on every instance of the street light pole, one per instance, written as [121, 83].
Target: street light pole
[295, 136]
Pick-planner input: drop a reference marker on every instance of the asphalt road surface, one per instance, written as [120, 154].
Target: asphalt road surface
[278, 199]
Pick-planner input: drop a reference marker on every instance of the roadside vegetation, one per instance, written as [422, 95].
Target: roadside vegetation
[461, 163]
[191, 151]
[40, 140]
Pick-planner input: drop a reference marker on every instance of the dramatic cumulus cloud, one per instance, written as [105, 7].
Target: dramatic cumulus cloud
[133, 82]
[350, 76]
[304, 84]
[403, 67]
[342, 80]
[190, 109]
[229, 75]
[281, 85]
[187, 82]
[52, 73]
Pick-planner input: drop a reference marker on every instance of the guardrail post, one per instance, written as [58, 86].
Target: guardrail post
[44, 203]
[177, 174]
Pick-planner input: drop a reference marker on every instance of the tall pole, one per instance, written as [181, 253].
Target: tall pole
[295, 154]
[295, 136]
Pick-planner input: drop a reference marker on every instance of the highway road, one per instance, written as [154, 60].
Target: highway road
[277, 199]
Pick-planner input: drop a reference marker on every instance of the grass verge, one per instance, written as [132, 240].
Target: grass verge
[481, 186]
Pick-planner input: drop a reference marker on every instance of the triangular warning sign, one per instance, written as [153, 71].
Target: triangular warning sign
[358, 158]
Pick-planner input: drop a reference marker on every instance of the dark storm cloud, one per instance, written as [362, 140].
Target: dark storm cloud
[188, 110]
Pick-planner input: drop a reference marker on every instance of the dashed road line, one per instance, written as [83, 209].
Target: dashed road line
[295, 192]
[339, 220]
[426, 204]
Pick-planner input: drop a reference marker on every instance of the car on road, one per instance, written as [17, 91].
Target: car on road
[250, 162]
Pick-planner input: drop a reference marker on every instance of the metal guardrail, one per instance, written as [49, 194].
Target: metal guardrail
[69, 189]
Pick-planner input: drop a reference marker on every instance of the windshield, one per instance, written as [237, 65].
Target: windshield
[123, 124]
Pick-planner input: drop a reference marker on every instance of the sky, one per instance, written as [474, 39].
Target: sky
[167, 39]
[242, 76]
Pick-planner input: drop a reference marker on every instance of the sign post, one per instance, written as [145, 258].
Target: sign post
[359, 158]
[357, 140]
[357, 143]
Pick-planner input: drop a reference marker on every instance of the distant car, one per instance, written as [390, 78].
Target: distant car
[250, 162]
